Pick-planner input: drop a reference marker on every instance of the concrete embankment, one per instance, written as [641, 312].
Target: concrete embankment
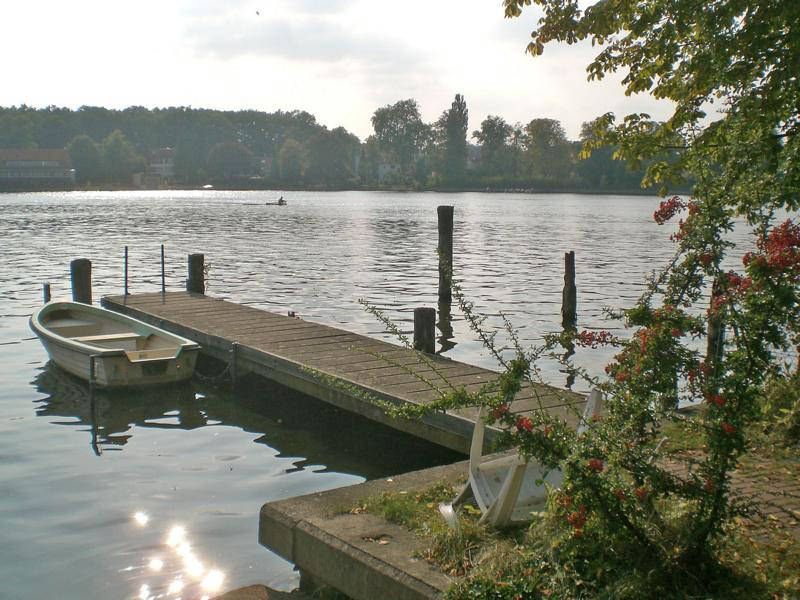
[261, 592]
[360, 555]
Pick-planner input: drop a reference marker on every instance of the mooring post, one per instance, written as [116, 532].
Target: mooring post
[92, 381]
[80, 271]
[445, 214]
[234, 365]
[126, 270]
[196, 281]
[46, 292]
[569, 297]
[716, 331]
[163, 276]
[425, 329]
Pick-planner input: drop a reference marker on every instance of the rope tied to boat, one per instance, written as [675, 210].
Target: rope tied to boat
[222, 376]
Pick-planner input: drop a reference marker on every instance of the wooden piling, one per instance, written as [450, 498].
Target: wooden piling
[196, 281]
[445, 216]
[126, 270]
[234, 364]
[92, 376]
[569, 296]
[81, 277]
[46, 292]
[163, 272]
[715, 332]
[425, 330]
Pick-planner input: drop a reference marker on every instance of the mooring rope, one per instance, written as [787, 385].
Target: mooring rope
[223, 375]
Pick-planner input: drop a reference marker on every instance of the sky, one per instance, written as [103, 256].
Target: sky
[340, 60]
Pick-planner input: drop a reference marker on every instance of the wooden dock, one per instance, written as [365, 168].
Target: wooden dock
[305, 356]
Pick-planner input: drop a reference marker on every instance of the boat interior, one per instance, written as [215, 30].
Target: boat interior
[110, 334]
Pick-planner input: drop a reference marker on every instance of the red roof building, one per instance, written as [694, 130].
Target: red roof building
[22, 168]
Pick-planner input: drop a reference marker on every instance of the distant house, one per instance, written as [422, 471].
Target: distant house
[162, 162]
[160, 170]
[31, 169]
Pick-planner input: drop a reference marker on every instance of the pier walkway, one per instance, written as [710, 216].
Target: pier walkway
[309, 357]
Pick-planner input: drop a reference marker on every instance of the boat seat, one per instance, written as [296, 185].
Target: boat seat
[155, 353]
[72, 327]
[110, 337]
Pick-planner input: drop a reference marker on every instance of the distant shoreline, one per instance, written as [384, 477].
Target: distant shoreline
[394, 189]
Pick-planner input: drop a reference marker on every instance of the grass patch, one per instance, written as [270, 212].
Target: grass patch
[683, 436]
[537, 561]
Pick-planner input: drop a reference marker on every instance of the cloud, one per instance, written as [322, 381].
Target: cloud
[314, 37]
[325, 45]
[215, 8]
[317, 7]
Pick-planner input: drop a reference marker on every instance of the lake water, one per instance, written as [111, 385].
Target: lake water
[88, 498]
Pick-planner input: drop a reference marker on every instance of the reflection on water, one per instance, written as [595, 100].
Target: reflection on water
[313, 433]
[444, 324]
[110, 414]
[183, 573]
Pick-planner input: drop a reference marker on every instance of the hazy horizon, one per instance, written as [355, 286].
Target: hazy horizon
[339, 60]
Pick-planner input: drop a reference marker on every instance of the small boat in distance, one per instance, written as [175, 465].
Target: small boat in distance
[280, 202]
[124, 351]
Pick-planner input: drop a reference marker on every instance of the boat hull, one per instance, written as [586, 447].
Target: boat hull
[119, 367]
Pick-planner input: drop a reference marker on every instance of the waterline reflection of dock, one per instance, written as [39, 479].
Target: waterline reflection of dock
[308, 356]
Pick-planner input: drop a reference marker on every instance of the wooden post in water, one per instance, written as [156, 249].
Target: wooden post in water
[163, 275]
[126, 270]
[425, 330]
[445, 215]
[92, 377]
[46, 292]
[716, 332]
[569, 297]
[234, 365]
[80, 271]
[196, 281]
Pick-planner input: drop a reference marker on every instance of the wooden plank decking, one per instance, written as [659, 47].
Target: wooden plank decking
[294, 352]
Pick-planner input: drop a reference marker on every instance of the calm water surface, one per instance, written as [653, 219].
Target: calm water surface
[88, 498]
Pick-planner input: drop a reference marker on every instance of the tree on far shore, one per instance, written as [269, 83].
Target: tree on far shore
[451, 136]
[119, 158]
[547, 149]
[85, 157]
[401, 133]
[493, 137]
[291, 161]
[230, 159]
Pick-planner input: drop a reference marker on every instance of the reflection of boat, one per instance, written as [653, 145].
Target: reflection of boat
[124, 351]
[111, 413]
[305, 433]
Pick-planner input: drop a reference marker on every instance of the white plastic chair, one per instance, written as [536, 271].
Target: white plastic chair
[508, 489]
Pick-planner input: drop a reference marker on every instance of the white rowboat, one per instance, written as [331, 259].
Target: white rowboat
[124, 351]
